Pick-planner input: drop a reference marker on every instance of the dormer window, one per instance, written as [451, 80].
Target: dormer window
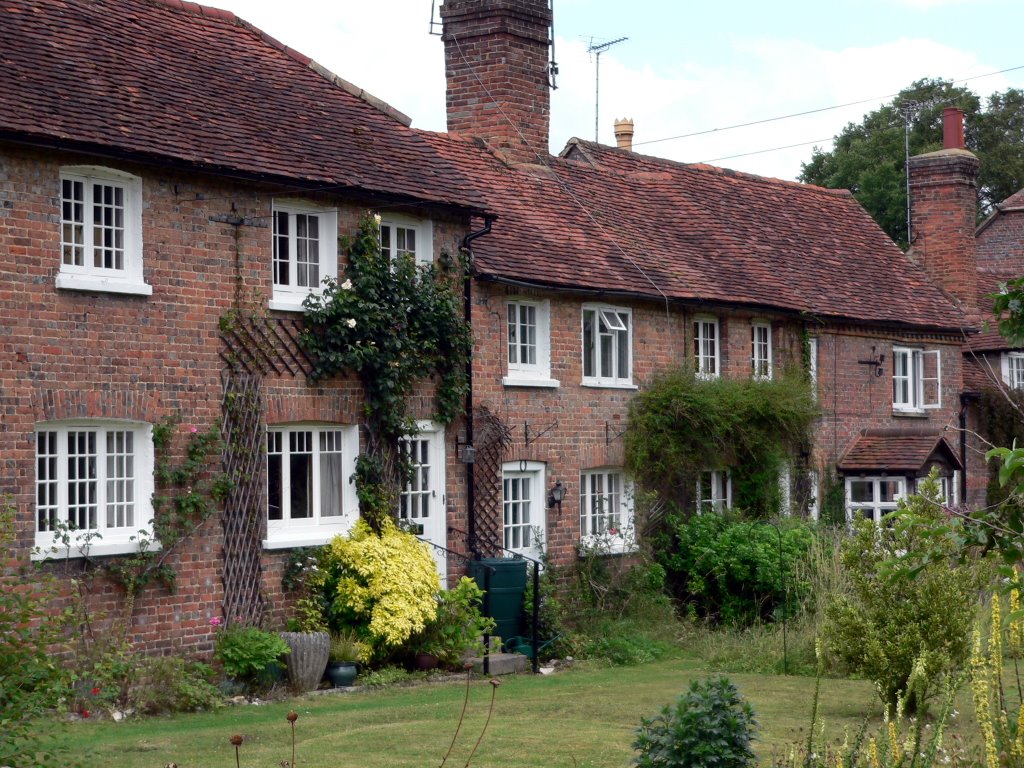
[404, 237]
[305, 251]
[101, 231]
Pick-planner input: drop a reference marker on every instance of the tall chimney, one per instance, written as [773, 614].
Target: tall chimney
[943, 204]
[624, 134]
[496, 67]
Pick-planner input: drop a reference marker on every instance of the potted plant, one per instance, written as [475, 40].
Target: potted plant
[455, 631]
[246, 653]
[346, 651]
[310, 646]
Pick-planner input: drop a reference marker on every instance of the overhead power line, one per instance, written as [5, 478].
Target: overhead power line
[807, 112]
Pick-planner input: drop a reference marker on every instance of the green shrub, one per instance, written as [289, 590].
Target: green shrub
[30, 681]
[169, 684]
[895, 617]
[385, 586]
[711, 726]
[458, 626]
[732, 570]
[245, 652]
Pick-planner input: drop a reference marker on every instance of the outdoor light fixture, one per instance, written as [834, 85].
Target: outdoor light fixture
[556, 495]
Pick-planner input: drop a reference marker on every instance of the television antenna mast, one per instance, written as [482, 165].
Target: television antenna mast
[597, 50]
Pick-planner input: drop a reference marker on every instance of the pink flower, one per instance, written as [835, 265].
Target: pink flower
[613, 531]
[193, 430]
[215, 621]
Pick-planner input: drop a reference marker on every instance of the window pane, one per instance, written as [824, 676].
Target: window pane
[332, 480]
[862, 491]
[281, 254]
[888, 490]
[588, 343]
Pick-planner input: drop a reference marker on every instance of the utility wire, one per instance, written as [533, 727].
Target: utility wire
[807, 112]
[763, 151]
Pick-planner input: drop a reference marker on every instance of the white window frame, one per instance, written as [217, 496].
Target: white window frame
[318, 528]
[516, 528]
[761, 350]
[813, 505]
[1013, 369]
[117, 481]
[289, 296]
[720, 483]
[538, 372]
[79, 232]
[876, 506]
[606, 510]
[910, 385]
[812, 365]
[707, 347]
[423, 229]
[617, 323]
[426, 489]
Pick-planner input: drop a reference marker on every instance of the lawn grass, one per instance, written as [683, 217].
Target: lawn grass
[580, 718]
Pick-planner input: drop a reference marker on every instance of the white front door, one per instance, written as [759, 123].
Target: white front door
[422, 504]
[523, 499]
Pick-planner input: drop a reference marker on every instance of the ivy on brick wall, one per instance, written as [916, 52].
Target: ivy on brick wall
[1001, 421]
[391, 323]
[683, 424]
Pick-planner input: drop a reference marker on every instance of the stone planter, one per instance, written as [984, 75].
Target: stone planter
[308, 659]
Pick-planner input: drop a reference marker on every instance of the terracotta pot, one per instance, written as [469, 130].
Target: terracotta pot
[308, 659]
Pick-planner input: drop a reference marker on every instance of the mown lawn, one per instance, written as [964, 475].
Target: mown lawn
[580, 718]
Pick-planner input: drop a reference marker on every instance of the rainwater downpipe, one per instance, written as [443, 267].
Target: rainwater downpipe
[467, 298]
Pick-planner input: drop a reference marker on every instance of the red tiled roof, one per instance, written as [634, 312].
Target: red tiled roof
[172, 80]
[896, 451]
[612, 221]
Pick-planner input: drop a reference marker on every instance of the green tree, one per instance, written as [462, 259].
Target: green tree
[869, 158]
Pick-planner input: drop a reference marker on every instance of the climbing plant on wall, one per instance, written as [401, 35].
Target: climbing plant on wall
[683, 424]
[391, 323]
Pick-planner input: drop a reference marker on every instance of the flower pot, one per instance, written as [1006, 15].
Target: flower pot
[425, 661]
[308, 659]
[341, 673]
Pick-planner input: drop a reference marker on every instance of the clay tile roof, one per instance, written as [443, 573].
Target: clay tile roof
[906, 451]
[612, 221]
[175, 81]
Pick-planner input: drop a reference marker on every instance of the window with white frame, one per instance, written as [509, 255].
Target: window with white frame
[872, 498]
[812, 365]
[607, 342]
[529, 343]
[916, 379]
[761, 350]
[421, 502]
[714, 490]
[310, 496]
[94, 484]
[405, 237]
[523, 510]
[706, 350]
[606, 508]
[101, 231]
[1013, 369]
[949, 488]
[305, 251]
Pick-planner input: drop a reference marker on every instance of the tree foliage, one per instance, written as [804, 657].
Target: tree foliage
[868, 158]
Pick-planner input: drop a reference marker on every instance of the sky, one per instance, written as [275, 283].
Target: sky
[686, 67]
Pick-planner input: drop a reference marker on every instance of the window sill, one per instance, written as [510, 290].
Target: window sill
[909, 414]
[607, 385]
[593, 545]
[288, 304]
[515, 381]
[48, 550]
[73, 282]
[304, 539]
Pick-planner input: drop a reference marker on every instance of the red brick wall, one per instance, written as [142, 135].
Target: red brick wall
[1000, 245]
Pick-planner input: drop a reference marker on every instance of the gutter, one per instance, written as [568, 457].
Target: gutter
[467, 298]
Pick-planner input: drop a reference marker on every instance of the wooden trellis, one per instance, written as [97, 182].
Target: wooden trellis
[254, 347]
[491, 437]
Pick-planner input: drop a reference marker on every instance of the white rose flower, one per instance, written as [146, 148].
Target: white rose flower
[351, 322]
[347, 285]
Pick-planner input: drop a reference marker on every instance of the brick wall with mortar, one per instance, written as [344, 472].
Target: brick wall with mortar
[72, 354]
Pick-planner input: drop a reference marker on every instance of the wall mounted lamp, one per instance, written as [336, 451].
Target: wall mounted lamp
[555, 496]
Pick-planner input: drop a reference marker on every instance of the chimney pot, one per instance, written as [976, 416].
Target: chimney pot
[624, 134]
[952, 128]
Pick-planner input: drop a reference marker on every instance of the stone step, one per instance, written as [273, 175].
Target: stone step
[501, 664]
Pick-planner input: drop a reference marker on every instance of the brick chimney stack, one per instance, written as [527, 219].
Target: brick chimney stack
[943, 200]
[496, 67]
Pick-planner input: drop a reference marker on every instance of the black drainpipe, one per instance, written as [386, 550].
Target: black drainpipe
[467, 298]
[966, 398]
